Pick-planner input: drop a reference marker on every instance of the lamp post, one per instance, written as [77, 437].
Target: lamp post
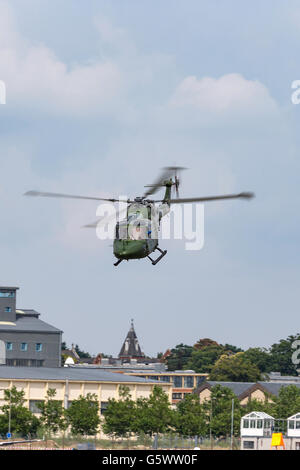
[9, 410]
[232, 418]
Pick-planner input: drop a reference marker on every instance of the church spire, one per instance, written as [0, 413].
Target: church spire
[131, 347]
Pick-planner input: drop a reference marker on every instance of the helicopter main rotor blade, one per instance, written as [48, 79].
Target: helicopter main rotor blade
[68, 196]
[106, 220]
[167, 173]
[209, 198]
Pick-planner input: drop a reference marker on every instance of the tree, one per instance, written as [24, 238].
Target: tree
[203, 358]
[218, 410]
[82, 354]
[288, 402]
[52, 413]
[281, 354]
[267, 406]
[120, 415]
[190, 417]
[204, 342]
[235, 368]
[261, 358]
[83, 415]
[154, 414]
[179, 357]
[22, 421]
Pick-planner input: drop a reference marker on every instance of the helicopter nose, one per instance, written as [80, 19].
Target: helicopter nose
[130, 249]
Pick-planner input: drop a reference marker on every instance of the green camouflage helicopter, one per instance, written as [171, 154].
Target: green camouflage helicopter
[136, 236]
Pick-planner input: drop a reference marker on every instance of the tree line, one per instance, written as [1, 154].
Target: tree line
[230, 363]
[145, 416]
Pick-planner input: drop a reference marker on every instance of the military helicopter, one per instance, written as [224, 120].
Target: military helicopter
[136, 236]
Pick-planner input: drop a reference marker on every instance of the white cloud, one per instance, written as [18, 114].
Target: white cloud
[35, 77]
[231, 93]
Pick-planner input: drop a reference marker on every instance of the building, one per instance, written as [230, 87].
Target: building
[70, 383]
[245, 391]
[131, 348]
[184, 382]
[26, 340]
[257, 429]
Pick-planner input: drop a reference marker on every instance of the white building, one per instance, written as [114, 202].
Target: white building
[257, 429]
[293, 431]
[256, 426]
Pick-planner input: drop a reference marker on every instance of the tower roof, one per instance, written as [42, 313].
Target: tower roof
[131, 347]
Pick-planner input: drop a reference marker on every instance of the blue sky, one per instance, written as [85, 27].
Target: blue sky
[100, 95]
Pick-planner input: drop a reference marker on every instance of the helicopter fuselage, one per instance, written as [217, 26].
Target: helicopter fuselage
[136, 237]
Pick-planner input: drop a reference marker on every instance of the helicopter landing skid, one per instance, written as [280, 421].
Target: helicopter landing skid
[163, 253]
[118, 262]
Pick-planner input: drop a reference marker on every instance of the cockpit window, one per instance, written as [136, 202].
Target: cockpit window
[121, 232]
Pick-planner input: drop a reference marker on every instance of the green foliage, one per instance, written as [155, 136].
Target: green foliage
[83, 415]
[287, 403]
[261, 358]
[179, 357]
[190, 417]
[81, 354]
[154, 414]
[120, 415]
[203, 359]
[52, 413]
[22, 421]
[218, 410]
[281, 354]
[236, 368]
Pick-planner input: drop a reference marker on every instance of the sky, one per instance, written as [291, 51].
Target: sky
[99, 96]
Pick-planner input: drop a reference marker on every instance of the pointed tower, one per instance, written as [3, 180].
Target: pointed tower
[131, 348]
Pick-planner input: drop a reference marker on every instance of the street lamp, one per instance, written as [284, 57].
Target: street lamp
[9, 412]
[232, 417]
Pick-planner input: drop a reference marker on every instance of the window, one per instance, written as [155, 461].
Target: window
[103, 407]
[252, 423]
[10, 294]
[297, 424]
[33, 406]
[38, 347]
[7, 309]
[291, 424]
[177, 381]
[24, 346]
[267, 424]
[9, 346]
[246, 423]
[188, 381]
[248, 444]
[259, 423]
[176, 396]
[165, 378]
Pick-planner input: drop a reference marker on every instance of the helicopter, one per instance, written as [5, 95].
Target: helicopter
[136, 236]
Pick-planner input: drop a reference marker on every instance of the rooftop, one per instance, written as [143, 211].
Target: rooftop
[28, 320]
[67, 373]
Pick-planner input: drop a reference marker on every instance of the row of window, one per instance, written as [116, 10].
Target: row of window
[24, 347]
[25, 362]
[34, 408]
[179, 396]
[8, 294]
[179, 381]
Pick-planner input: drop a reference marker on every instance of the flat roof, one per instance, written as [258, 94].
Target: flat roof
[8, 288]
[69, 373]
